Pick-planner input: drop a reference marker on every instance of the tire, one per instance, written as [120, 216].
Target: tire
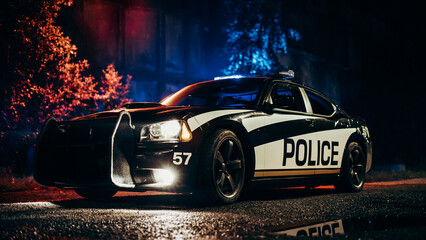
[222, 168]
[95, 194]
[353, 169]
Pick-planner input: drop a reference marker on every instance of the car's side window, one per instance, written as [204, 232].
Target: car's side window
[319, 104]
[285, 97]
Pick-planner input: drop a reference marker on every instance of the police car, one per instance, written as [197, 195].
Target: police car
[211, 139]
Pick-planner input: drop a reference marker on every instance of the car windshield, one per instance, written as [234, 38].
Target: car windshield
[220, 93]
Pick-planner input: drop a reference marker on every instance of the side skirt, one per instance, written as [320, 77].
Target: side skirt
[296, 181]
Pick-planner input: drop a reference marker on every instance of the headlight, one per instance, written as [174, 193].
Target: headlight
[173, 130]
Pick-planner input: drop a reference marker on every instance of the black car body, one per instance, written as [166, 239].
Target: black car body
[211, 139]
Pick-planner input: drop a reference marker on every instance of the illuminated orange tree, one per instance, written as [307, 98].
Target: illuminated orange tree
[112, 92]
[44, 79]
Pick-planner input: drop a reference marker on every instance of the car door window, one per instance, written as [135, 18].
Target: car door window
[319, 104]
[285, 97]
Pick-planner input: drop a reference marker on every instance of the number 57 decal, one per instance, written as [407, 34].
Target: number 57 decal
[179, 156]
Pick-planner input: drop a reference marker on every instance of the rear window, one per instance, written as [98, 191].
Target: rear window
[319, 104]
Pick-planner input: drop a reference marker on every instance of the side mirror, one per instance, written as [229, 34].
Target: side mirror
[267, 108]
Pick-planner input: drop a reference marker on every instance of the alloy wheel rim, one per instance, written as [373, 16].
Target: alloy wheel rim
[356, 167]
[228, 168]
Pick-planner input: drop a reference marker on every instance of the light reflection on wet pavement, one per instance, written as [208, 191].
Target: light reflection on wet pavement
[260, 214]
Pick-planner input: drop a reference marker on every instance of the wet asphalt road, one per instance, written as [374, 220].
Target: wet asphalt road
[380, 212]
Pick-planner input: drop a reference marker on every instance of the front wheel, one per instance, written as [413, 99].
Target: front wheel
[353, 170]
[223, 168]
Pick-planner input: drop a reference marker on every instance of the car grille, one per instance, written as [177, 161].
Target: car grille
[81, 151]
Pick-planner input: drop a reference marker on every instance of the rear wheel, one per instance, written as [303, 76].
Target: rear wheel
[353, 170]
[95, 194]
[223, 167]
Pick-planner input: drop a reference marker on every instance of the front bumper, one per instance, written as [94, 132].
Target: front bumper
[104, 153]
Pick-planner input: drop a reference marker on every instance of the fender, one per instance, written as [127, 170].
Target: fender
[234, 125]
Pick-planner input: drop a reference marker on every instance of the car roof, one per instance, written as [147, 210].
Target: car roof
[268, 79]
[293, 82]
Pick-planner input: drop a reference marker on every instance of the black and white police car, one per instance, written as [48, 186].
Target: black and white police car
[211, 139]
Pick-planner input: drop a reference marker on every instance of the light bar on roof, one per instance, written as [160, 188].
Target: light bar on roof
[228, 77]
[288, 74]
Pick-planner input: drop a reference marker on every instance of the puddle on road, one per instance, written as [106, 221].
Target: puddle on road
[348, 226]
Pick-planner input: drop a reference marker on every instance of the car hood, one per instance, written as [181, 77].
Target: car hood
[152, 114]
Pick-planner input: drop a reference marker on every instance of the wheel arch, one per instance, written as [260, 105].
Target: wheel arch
[349, 177]
[242, 135]
[355, 137]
